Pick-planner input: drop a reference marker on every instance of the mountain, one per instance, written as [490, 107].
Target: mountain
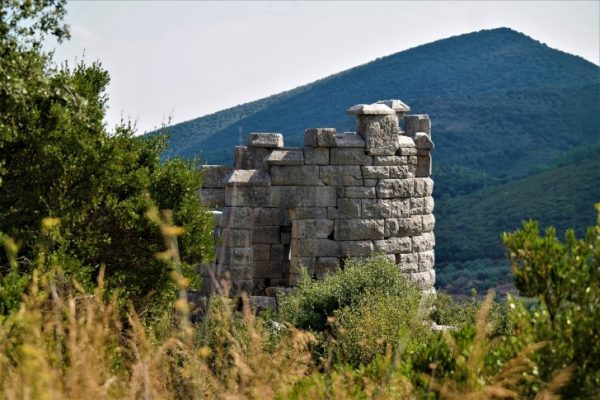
[469, 252]
[503, 108]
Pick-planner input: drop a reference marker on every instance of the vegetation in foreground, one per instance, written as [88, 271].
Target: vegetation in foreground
[361, 333]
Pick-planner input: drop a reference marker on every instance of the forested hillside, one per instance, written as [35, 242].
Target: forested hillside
[469, 251]
[503, 108]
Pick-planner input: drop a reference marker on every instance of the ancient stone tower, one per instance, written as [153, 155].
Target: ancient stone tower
[342, 195]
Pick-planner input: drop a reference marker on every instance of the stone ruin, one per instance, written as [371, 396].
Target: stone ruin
[341, 196]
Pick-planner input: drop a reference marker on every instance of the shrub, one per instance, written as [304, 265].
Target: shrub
[565, 279]
[315, 301]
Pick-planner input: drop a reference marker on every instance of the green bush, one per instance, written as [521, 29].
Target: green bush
[378, 321]
[315, 301]
[565, 279]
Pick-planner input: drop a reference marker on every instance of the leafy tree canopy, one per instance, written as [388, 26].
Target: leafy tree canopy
[57, 159]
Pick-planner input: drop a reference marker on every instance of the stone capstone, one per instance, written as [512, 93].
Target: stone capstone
[268, 140]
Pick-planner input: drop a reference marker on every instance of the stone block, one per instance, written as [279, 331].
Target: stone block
[428, 205]
[349, 156]
[381, 133]
[348, 208]
[212, 197]
[316, 248]
[286, 157]
[268, 140]
[410, 226]
[332, 175]
[423, 141]
[389, 160]
[312, 228]
[267, 269]
[370, 109]
[250, 157]
[359, 229]
[236, 238]
[423, 280]
[249, 178]
[215, 176]
[394, 245]
[316, 156]
[407, 262]
[265, 234]
[400, 208]
[390, 188]
[401, 172]
[301, 262]
[325, 266]
[406, 142]
[406, 151]
[423, 187]
[349, 139]
[375, 208]
[428, 222]
[423, 242]
[370, 182]
[416, 123]
[356, 248]
[332, 212]
[259, 304]
[375, 172]
[237, 217]
[235, 255]
[426, 260]
[247, 196]
[305, 175]
[302, 196]
[319, 137]
[423, 166]
[262, 252]
[391, 228]
[268, 216]
[357, 192]
[308, 213]
[241, 286]
[399, 107]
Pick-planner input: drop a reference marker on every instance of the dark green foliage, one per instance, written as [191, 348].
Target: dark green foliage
[315, 301]
[467, 227]
[565, 277]
[58, 160]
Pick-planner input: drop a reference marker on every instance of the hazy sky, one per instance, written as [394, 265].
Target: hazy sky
[188, 59]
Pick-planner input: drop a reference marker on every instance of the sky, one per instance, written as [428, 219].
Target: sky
[176, 61]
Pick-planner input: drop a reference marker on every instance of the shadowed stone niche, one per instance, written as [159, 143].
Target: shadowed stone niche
[342, 195]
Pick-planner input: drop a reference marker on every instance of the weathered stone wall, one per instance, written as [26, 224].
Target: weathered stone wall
[342, 195]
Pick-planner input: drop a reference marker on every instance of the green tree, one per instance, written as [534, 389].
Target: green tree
[565, 278]
[57, 159]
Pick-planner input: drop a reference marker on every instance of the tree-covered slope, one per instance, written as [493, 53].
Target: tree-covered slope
[469, 252]
[501, 103]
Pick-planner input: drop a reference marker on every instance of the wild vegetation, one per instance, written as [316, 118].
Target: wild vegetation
[361, 333]
[100, 242]
[59, 160]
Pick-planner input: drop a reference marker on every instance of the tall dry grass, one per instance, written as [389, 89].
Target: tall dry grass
[64, 343]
